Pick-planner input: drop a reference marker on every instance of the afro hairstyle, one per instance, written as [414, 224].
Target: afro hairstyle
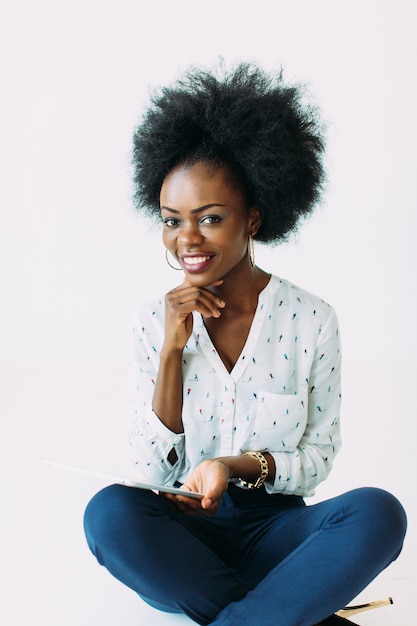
[246, 120]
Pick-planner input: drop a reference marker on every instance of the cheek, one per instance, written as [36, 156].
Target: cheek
[236, 242]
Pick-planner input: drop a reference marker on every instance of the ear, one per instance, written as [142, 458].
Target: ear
[254, 220]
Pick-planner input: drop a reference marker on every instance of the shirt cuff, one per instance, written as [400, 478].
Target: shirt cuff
[166, 438]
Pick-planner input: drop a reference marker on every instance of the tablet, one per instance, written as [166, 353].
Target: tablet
[127, 482]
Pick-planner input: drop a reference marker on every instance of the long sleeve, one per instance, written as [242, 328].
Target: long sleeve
[302, 469]
[150, 440]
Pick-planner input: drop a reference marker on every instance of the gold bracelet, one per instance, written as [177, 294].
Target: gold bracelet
[264, 471]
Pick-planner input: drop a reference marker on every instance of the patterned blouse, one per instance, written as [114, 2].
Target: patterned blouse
[282, 395]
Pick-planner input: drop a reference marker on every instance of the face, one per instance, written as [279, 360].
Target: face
[206, 222]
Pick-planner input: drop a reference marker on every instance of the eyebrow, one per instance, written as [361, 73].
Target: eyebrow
[198, 210]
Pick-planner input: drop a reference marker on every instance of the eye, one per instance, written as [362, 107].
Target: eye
[210, 219]
[171, 222]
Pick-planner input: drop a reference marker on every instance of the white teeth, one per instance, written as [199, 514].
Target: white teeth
[195, 260]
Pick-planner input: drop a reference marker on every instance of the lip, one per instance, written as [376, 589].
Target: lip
[196, 263]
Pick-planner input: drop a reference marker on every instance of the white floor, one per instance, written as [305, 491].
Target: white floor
[49, 576]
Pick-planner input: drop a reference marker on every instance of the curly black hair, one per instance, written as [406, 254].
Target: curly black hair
[246, 120]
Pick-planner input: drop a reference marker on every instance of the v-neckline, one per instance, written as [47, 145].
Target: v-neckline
[210, 350]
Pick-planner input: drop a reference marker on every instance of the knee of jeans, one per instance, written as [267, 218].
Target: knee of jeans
[99, 517]
[385, 514]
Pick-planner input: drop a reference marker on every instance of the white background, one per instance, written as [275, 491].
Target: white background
[75, 260]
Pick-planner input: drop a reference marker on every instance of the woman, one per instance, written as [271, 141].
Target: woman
[236, 378]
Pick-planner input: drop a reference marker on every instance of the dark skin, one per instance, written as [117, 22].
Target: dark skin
[207, 225]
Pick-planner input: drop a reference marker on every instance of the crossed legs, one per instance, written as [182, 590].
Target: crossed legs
[273, 562]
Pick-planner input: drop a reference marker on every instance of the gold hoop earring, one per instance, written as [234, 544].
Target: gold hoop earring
[251, 248]
[178, 269]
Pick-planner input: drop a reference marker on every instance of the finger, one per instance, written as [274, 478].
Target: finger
[189, 505]
[207, 503]
[194, 503]
[186, 291]
[167, 496]
[185, 487]
[212, 496]
[200, 305]
[208, 507]
[194, 297]
[182, 504]
[200, 301]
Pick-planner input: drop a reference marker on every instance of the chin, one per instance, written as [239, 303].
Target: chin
[202, 280]
[199, 280]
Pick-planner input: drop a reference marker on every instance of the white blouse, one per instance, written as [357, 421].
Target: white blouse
[282, 395]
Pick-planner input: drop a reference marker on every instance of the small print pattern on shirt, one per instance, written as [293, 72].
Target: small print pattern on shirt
[282, 396]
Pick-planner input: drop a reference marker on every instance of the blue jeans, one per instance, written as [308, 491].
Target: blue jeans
[266, 560]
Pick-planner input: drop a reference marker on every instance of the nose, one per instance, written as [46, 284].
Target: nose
[190, 236]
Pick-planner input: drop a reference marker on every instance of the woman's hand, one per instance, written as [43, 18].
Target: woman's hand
[210, 478]
[179, 305]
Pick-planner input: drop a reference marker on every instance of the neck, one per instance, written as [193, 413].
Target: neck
[240, 289]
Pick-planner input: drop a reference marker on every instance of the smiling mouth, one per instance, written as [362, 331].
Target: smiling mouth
[196, 263]
[196, 260]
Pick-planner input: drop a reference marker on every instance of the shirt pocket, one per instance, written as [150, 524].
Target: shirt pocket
[280, 422]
